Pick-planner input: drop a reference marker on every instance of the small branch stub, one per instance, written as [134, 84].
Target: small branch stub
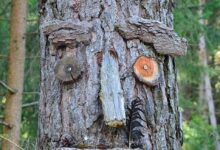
[67, 69]
[6, 124]
[146, 69]
[13, 91]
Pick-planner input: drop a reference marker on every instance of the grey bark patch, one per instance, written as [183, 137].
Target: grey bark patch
[55, 25]
[111, 94]
[164, 39]
[66, 34]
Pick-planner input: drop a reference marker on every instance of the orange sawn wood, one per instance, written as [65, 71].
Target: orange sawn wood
[146, 70]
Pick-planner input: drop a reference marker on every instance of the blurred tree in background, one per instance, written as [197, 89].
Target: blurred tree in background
[198, 133]
[15, 75]
[197, 130]
[31, 79]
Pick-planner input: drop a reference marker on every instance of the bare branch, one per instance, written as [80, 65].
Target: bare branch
[5, 124]
[11, 142]
[30, 104]
[23, 106]
[3, 56]
[28, 57]
[28, 20]
[30, 93]
[13, 91]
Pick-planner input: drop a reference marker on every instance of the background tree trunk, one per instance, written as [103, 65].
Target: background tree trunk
[93, 33]
[206, 96]
[15, 74]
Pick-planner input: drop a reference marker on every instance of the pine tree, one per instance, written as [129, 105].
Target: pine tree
[108, 76]
[16, 60]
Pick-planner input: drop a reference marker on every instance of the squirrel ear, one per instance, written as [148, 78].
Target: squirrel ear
[146, 70]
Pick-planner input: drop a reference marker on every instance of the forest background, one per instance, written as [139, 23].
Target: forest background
[197, 129]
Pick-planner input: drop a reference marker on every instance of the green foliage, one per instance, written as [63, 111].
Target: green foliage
[29, 144]
[186, 25]
[198, 134]
[210, 9]
[32, 75]
[4, 43]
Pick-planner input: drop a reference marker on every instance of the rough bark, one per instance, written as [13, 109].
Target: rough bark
[73, 114]
[205, 84]
[16, 60]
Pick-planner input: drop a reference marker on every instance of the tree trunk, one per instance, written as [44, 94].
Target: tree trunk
[205, 85]
[15, 74]
[108, 76]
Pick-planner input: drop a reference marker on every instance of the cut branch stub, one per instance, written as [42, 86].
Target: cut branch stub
[146, 69]
[164, 39]
[111, 93]
[68, 69]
